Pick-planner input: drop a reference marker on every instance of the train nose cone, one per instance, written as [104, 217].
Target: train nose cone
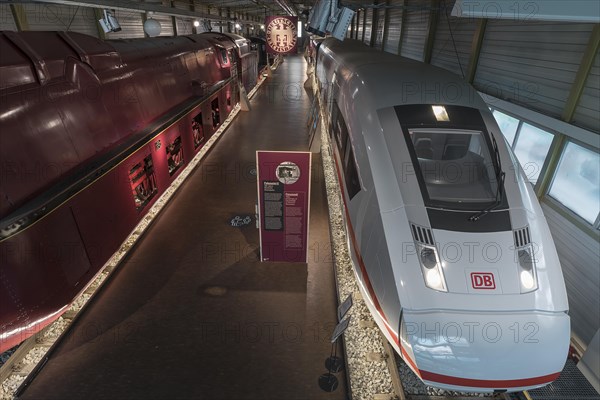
[484, 352]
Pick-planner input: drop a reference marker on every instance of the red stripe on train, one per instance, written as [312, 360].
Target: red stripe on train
[363, 270]
[488, 383]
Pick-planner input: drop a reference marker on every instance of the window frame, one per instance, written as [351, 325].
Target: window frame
[548, 197]
[519, 125]
[346, 152]
[544, 168]
[550, 167]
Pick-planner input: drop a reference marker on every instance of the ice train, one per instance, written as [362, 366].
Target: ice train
[92, 132]
[450, 247]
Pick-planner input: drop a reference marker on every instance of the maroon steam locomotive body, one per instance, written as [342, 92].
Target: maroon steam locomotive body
[86, 123]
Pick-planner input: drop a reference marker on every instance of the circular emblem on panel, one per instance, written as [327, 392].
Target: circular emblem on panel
[288, 172]
[281, 35]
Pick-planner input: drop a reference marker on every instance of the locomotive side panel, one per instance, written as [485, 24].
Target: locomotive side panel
[100, 123]
[32, 291]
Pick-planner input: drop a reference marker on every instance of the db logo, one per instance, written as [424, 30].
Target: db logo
[483, 280]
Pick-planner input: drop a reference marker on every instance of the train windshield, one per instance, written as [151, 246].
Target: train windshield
[455, 165]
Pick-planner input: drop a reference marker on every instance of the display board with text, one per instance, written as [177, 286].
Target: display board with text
[284, 204]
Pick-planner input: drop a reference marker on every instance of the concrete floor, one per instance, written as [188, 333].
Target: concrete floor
[192, 313]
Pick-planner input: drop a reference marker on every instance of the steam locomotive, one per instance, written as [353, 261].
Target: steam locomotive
[92, 132]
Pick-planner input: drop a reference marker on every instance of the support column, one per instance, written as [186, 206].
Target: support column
[582, 74]
[228, 20]
[546, 174]
[192, 7]
[144, 19]
[431, 29]
[476, 49]
[386, 25]
[174, 21]
[362, 39]
[374, 26]
[99, 15]
[221, 22]
[20, 17]
[402, 23]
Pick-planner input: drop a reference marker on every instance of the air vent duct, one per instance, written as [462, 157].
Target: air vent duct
[422, 235]
[522, 237]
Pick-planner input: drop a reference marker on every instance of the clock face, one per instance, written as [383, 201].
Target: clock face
[281, 35]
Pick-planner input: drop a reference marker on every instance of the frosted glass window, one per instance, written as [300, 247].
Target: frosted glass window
[531, 149]
[577, 181]
[508, 125]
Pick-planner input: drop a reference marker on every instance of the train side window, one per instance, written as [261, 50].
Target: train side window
[197, 130]
[531, 146]
[351, 174]
[174, 155]
[576, 183]
[216, 116]
[224, 58]
[340, 131]
[143, 182]
[335, 110]
[335, 89]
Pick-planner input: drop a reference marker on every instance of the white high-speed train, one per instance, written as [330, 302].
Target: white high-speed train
[451, 250]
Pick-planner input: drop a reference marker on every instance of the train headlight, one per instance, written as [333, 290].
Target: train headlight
[431, 268]
[527, 274]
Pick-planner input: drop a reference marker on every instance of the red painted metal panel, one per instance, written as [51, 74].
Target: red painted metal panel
[40, 270]
[102, 101]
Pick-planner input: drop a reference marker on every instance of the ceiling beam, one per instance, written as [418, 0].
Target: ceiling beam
[130, 5]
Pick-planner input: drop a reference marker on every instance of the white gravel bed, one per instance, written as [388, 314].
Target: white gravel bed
[53, 332]
[56, 329]
[367, 378]
[9, 386]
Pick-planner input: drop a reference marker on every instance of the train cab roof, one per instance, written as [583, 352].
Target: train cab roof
[30, 57]
[241, 42]
[391, 80]
[228, 41]
[148, 48]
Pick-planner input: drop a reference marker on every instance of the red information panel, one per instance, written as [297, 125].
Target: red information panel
[281, 34]
[284, 204]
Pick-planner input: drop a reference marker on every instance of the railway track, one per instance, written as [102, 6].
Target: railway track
[32, 354]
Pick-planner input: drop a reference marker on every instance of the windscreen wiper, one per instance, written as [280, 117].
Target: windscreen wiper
[499, 197]
[500, 189]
